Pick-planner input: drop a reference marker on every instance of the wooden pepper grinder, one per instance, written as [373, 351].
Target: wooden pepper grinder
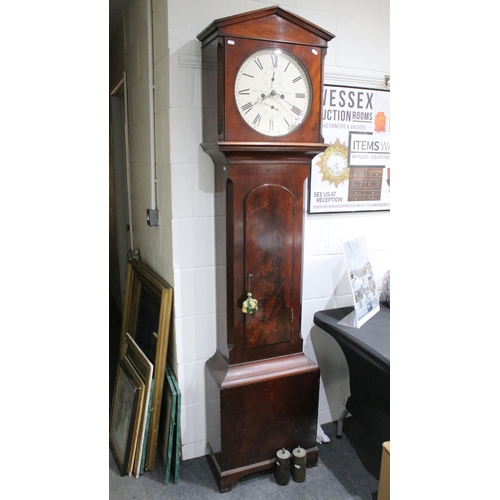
[282, 467]
[299, 465]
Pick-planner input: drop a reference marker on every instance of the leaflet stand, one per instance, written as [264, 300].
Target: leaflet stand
[361, 280]
[350, 320]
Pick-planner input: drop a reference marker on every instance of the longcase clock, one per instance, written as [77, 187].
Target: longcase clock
[262, 81]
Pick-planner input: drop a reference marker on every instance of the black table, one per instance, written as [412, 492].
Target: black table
[367, 352]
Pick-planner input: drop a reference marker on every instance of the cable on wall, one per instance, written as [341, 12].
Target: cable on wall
[152, 212]
[127, 164]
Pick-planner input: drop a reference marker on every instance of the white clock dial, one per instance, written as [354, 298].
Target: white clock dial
[336, 164]
[273, 92]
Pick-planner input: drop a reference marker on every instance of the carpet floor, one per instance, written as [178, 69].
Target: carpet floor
[348, 468]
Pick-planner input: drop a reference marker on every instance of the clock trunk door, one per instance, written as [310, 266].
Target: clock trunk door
[269, 220]
[264, 256]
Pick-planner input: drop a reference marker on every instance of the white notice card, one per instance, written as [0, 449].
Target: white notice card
[363, 286]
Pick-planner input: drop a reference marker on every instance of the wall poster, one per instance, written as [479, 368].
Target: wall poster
[353, 173]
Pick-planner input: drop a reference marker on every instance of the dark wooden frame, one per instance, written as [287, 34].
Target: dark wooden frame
[125, 386]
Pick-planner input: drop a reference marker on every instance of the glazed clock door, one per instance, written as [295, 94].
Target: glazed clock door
[272, 92]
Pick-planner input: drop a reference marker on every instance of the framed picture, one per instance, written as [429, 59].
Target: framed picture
[122, 421]
[353, 174]
[138, 414]
[167, 436]
[146, 431]
[176, 450]
[147, 315]
[144, 368]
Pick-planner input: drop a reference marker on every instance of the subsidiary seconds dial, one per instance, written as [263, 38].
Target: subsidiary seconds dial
[273, 92]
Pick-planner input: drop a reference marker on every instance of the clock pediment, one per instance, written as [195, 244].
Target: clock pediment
[273, 23]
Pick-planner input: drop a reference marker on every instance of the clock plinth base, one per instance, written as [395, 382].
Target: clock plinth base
[257, 409]
[227, 479]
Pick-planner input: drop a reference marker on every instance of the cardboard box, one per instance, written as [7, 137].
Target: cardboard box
[384, 485]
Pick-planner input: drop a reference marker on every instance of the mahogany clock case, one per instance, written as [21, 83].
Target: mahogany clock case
[256, 409]
[262, 391]
[259, 225]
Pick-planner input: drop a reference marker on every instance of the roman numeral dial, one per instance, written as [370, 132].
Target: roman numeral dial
[273, 92]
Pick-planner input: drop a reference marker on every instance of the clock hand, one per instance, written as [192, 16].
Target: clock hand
[259, 100]
[272, 93]
[270, 105]
[277, 101]
[282, 97]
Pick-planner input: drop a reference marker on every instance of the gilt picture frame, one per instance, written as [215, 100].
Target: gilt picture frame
[146, 318]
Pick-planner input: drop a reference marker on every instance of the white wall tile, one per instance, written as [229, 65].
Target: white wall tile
[309, 351]
[316, 235]
[192, 382]
[185, 89]
[385, 11]
[195, 337]
[185, 134]
[185, 334]
[193, 450]
[204, 187]
[205, 339]
[360, 8]
[204, 242]
[185, 292]
[185, 249]
[322, 275]
[194, 245]
[200, 16]
[182, 190]
[363, 44]
[193, 423]
[205, 290]
[310, 307]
